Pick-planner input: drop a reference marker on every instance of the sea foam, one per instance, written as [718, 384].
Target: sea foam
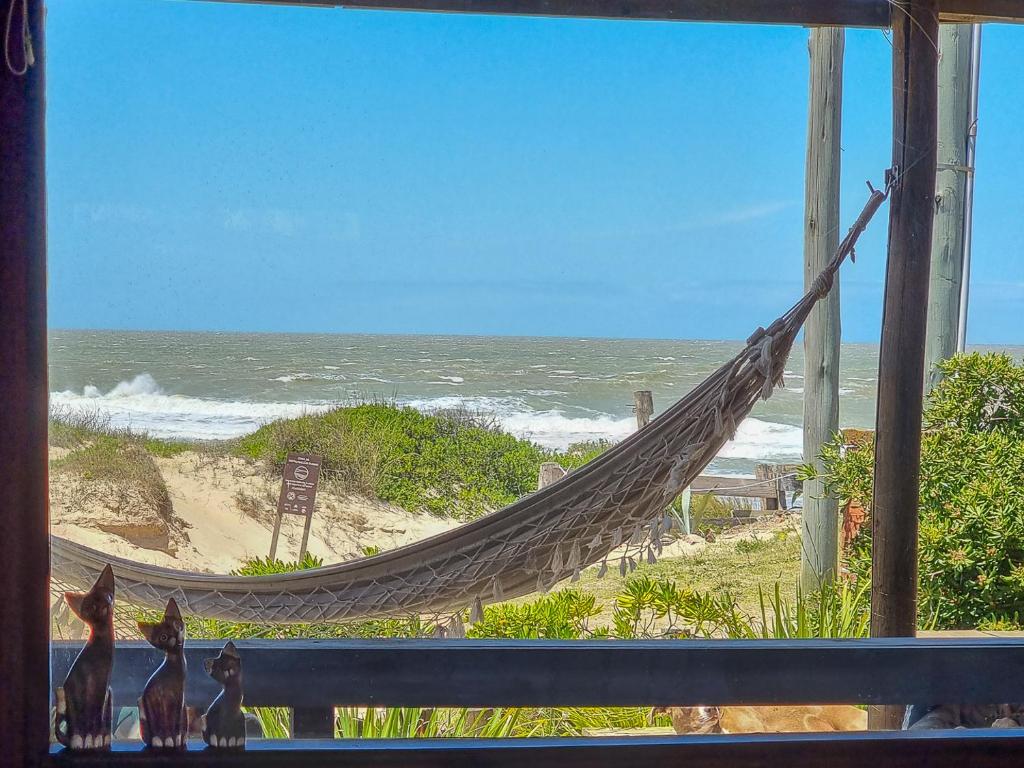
[141, 404]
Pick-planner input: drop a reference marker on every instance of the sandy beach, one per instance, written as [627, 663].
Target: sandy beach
[222, 511]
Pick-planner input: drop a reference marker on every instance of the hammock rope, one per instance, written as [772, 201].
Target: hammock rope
[619, 498]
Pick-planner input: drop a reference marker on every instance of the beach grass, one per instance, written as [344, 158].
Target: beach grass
[739, 568]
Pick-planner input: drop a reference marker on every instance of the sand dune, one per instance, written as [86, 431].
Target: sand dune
[222, 514]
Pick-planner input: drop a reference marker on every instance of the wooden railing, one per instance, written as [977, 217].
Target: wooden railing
[313, 677]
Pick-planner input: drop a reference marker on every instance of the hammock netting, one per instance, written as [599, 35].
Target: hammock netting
[616, 503]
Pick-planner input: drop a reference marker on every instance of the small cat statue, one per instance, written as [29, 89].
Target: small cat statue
[224, 723]
[84, 707]
[163, 720]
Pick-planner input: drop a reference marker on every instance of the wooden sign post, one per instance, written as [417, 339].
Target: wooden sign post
[298, 496]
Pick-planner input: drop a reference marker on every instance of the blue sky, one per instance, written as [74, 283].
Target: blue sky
[236, 167]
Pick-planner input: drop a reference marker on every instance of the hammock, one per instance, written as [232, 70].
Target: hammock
[615, 502]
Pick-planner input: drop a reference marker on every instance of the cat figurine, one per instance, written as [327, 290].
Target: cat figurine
[163, 720]
[224, 723]
[84, 706]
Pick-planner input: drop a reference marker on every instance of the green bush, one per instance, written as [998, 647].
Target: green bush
[578, 454]
[446, 463]
[971, 513]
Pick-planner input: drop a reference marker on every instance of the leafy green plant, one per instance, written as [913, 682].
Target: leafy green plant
[578, 454]
[446, 464]
[971, 513]
[268, 566]
[562, 615]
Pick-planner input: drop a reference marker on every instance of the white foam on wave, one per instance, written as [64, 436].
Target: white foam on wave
[141, 405]
[287, 379]
[768, 441]
[756, 440]
[452, 379]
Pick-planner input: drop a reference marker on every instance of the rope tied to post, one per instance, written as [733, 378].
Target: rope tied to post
[28, 58]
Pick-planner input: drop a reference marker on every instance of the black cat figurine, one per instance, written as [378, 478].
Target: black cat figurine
[163, 720]
[84, 708]
[224, 723]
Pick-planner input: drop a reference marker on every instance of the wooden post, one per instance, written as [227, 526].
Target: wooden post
[305, 535]
[819, 551]
[955, 86]
[767, 472]
[901, 360]
[643, 406]
[276, 534]
[550, 472]
[25, 544]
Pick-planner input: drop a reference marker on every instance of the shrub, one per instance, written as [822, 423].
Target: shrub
[578, 454]
[561, 615]
[971, 513]
[450, 464]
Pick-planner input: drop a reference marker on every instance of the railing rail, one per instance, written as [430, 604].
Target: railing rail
[312, 677]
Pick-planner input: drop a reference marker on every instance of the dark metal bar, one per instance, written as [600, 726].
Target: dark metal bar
[478, 673]
[24, 544]
[977, 749]
[313, 722]
[810, 13]
[854, 13]
[901, 356]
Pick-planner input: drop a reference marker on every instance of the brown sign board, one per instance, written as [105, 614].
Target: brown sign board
[298, 494]
[298, 485]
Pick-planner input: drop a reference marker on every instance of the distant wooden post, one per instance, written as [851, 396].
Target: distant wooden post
[948, 244]
[819, 555]
[643, 406]
[901, 359]
[767, 472]
[550, 472]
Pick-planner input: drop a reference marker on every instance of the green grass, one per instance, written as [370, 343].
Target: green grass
[738, 569]
[122, 464]
[71, 430]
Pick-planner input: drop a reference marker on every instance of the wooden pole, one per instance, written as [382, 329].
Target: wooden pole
[306, 526]
[951, 181]
[643, 406]
[901, 360]
[25, 544]
[819, 551]
[276, 535]
[550, 472]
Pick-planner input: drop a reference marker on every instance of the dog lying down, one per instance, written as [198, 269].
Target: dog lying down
[768, 719]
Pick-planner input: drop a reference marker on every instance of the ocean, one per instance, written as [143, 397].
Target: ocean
[554, 391]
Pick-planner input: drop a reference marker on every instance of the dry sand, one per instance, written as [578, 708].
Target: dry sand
[223, 512]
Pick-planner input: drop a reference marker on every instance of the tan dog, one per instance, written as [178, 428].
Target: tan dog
[773, 719]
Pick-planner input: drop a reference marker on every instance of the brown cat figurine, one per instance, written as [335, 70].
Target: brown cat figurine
[84, 708]
[224, 723]
[163, 721]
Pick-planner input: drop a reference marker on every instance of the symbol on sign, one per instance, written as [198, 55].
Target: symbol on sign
[301, 473]
[291, 496]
